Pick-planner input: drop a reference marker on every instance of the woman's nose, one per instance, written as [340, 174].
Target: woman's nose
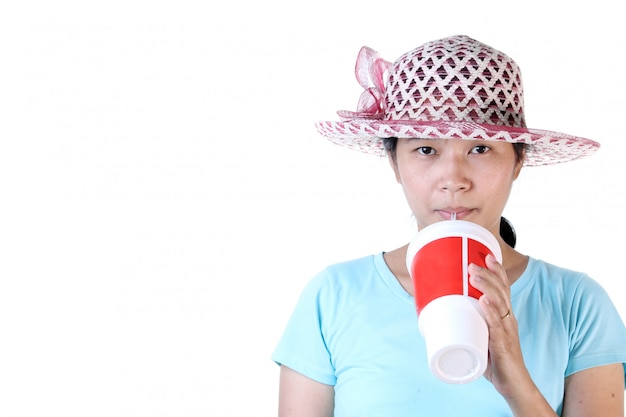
[454, 176]
[453, 185]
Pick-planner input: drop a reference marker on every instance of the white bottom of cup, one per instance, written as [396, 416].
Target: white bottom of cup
[456, 338]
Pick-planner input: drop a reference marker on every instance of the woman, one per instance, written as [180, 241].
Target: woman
[449, 115]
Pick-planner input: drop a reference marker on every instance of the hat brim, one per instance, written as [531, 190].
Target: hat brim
[545, 147]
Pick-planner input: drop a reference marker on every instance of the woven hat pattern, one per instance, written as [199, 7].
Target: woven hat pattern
[454, 80]
[452, 88]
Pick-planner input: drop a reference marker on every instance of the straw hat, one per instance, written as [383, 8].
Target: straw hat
[451, 88]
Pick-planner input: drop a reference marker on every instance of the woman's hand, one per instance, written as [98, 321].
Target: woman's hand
[506, 364]
[506, 369]
[597, 391]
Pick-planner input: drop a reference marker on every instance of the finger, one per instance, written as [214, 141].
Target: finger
[491, 310]
[495, 300]
[492, 264]
[487, 280]
[492, 280]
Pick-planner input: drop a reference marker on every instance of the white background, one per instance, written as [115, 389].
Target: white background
[165, 197]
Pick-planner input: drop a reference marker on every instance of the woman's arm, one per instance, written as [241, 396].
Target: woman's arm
[593, 392]
[300, 396]
[596, 391]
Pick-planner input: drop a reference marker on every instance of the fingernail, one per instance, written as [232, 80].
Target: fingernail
[475, 267]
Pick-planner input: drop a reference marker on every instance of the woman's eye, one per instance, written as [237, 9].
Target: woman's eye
[426, 150]
[480, 149]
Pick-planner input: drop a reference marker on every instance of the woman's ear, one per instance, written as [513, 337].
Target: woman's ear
[518, 166]
[518, 169]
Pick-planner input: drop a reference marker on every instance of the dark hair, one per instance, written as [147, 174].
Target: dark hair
[390, 145]
[507, 232]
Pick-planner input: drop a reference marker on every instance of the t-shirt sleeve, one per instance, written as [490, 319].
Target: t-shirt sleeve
[598, 334]
[302, 346]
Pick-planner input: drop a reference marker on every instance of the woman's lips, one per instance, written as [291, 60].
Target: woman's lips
[448, 213]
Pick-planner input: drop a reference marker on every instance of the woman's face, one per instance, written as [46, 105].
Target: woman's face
[470, 178]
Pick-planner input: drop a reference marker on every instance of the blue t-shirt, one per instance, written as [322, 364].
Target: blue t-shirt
[355, 328]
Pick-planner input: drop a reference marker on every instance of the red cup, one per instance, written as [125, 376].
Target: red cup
[449, 317]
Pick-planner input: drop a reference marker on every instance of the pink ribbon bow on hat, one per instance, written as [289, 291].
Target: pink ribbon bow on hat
[371, 73]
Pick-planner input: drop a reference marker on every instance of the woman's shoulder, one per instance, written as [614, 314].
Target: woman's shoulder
[346, 274]
[548, 275]
[553, 271]
[352, 265]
